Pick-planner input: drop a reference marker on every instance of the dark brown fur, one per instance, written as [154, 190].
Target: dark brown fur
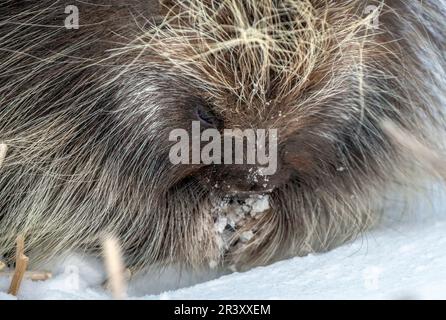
[86, 114]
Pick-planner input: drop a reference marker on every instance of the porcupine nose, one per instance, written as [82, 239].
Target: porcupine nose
[249, 180]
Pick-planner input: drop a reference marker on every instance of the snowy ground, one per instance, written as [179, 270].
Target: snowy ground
[404, 258]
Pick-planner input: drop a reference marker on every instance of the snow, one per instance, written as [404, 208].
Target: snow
[402, 259]
[231, 220]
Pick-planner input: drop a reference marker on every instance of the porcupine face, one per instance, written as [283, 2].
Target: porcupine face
[87, 115]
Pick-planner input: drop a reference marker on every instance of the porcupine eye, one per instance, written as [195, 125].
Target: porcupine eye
[207, 117]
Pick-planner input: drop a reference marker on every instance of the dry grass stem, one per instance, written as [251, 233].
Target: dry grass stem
[20, 268]
[3, 152]
[31, 275]
[115, 268]
[425, 155]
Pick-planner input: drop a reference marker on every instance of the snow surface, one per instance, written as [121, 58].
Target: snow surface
[405, 258]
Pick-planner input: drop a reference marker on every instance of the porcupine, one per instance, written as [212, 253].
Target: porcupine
[86, 114]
